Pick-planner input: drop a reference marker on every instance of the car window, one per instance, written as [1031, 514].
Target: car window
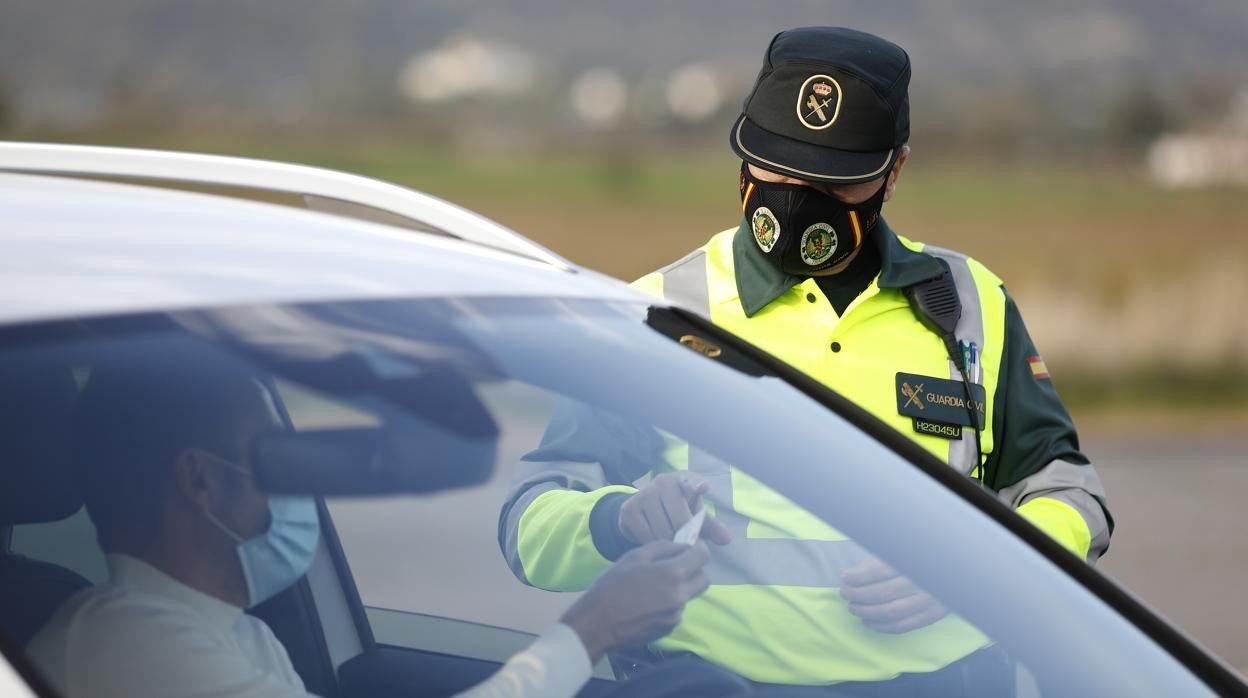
[449, 537]
[433, 578]
[625, 389]
[69, 543]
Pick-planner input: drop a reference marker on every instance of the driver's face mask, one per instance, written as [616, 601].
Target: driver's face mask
[274, 560]
[801, 229]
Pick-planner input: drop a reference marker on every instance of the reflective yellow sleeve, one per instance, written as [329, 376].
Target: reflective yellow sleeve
[1061, 521]
[554, 542]
[651, 283]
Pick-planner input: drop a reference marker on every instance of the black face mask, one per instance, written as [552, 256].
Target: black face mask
[801, 229]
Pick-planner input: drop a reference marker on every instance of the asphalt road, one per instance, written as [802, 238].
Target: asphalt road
[1181, 542]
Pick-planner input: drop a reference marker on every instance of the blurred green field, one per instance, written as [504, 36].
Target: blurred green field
[1105, 239]
[1083, 225]
[626, 211]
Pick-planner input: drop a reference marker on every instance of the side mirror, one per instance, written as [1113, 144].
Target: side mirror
[417, 457]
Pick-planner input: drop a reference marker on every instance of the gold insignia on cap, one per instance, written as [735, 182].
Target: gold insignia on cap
[819, 102]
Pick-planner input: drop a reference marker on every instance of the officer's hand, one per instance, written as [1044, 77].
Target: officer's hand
[660, 508]
[886, 601]
[640, 598]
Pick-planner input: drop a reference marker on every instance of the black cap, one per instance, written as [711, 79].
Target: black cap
[829, 105]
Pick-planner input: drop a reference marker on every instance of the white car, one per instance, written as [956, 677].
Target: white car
[387, 312]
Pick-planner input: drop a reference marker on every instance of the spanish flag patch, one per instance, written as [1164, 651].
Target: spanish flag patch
[1038, 370]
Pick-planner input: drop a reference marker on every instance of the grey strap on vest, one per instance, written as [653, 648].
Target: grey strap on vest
[949, 306]
[685, 283]
[767, 561]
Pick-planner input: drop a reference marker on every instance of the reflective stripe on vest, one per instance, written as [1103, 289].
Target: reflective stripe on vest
[766, 561]
[685, 283]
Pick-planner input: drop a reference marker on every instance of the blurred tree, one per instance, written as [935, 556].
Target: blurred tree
[1136, 118]
[1208, 98]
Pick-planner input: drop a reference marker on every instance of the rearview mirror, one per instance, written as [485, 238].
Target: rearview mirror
[416, 458]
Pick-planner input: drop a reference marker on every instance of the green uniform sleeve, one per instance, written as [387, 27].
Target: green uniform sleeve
[1034, 428]
[1037, 466]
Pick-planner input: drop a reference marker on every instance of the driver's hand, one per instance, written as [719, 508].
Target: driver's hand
[665, 504]
[640, 598]
[886, 601]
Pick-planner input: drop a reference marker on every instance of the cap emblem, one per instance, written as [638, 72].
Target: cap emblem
[818, 244]
[819, 102]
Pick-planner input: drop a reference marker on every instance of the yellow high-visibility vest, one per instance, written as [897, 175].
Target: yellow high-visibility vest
[773, 612]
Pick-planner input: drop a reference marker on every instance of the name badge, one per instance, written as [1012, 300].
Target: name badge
[939, 401]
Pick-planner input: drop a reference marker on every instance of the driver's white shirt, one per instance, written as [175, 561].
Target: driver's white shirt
[146, 633]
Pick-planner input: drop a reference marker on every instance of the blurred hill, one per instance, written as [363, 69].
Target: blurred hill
[583, 125]
[1023, 77]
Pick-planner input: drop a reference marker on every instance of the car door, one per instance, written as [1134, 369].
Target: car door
[412, 595]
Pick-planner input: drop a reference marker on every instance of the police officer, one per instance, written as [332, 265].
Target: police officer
[926, 339]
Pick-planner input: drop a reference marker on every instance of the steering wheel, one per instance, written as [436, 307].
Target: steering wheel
[681, 677]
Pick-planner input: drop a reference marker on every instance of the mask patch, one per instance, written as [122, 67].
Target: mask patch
[766, 228]
[818, 243]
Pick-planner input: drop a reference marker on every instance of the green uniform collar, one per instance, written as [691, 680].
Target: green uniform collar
[759, 282]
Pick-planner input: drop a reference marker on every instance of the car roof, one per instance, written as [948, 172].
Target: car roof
[316, 188]
[75, 247]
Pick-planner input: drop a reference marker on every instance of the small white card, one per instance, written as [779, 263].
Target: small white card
[688, 534]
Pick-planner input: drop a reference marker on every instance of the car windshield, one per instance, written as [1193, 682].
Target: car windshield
[505, 404]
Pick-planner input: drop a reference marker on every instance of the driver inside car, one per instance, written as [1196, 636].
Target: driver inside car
[161, 449]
